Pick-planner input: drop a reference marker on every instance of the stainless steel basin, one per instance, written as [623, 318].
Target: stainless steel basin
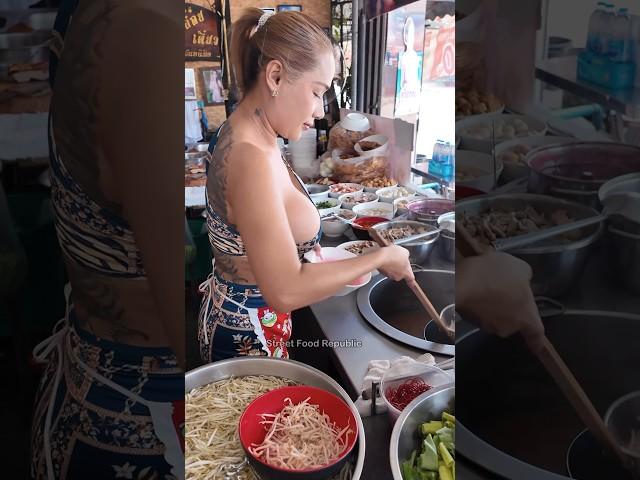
[392, 308]
[512, 419]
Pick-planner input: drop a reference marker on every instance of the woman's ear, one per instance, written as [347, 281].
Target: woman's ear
[275, 75]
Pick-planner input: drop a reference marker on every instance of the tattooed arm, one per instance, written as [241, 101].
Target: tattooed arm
[141, 133]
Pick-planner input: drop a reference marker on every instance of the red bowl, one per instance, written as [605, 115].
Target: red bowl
[253, 432]
[361, 226]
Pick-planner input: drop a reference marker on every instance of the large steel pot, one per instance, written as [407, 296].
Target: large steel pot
[555, 265]
[393, 309]
[296, 371]
[404, 438]
[419, 250]
[512, 419]
[623, 235]
[576, 171]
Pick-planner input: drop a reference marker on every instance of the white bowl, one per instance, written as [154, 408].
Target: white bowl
[328, 211]
[383, 140]
[356, 122]
[401, 210]
[386, 210]
[332, 194]
[482, 142]
[317, 192]
[389, 194]
[513, 171]
[369, 245]
[334, 227]
[482, 162]
[333, 254]
[344, 199]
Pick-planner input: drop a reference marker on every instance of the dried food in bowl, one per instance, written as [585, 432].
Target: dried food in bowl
[270, 433]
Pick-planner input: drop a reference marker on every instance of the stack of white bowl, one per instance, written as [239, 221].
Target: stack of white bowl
[303, 151]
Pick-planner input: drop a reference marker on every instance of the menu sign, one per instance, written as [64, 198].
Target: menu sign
[201, 33]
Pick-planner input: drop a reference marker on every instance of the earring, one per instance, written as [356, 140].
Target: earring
[274, 93]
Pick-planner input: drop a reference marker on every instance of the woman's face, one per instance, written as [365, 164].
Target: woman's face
[300, 101]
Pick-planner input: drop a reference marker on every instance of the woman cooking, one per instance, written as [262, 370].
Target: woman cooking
[260, 218]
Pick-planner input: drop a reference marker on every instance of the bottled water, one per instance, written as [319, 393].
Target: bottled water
[606, 29]
[594, 40]
[620, 43]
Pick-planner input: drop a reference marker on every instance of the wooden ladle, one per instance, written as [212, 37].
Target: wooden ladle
[467, 246]
[415, 288]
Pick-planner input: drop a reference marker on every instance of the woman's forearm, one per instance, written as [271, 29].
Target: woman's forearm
[326, 279]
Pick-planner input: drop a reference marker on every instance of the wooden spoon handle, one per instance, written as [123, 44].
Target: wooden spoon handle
[415, 288]
[574, 393]
[555, 366]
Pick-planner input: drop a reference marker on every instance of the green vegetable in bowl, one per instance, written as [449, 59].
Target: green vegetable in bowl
[436, 459]
[325, 204]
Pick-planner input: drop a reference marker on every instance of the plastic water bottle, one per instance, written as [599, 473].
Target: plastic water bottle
[620, 43]
[594, 41]
[447, 161]
[606, 29]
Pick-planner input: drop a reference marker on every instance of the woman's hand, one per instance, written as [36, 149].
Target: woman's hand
[396, 264]
[494, 292]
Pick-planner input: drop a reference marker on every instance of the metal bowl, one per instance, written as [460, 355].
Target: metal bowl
[404, 438]
[623, 420]
[296, 371]
[555, 265]
[576, 171]
[623, 250]
[420, 249]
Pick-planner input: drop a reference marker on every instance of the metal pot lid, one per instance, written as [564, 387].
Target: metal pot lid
[585, 163]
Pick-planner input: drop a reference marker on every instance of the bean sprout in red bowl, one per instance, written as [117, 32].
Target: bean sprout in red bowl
[267, 429]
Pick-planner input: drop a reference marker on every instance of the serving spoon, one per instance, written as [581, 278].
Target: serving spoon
[467, 246]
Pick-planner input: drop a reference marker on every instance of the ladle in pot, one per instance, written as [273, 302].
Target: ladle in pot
[415, 288]
[467, 246]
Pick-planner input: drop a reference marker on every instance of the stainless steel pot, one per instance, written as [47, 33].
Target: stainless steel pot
[428, 210]
[623, 250]
[555, 265]
[447, 240]
[622, 184]
[512, 419]
[296, 371]
[576, 171]
[404, 438]
[420, 249]
[393, 309]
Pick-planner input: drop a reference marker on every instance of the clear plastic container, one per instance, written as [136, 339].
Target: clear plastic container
[401, 373]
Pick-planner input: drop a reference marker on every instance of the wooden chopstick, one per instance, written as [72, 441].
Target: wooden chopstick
[415, 288]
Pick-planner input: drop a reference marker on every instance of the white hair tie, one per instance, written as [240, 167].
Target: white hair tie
[263, 19]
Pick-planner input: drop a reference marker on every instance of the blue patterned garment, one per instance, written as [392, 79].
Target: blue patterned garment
[91, 235]
[96, 431]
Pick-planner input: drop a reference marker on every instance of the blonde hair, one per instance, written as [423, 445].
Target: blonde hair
[293, 38]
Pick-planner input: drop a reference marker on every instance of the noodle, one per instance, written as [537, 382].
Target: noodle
[300, 437]
[212, 443]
